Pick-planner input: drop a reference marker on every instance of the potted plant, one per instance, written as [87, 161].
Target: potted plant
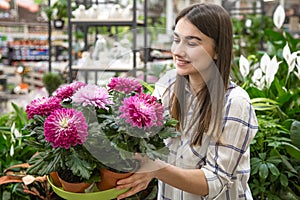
[135, 123]
[84, 129]
[57, 131]
[52, 81]
[58, 12]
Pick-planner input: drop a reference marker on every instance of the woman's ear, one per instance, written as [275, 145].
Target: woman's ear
[215, 56]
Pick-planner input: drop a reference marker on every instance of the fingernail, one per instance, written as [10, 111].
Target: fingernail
[118, 187]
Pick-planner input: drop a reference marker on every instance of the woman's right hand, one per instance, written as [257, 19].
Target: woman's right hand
[141, 178]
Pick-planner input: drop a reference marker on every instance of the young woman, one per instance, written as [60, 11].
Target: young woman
[211, 157]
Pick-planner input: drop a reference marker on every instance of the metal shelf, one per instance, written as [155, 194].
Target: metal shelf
[133, 23]
[96, 22]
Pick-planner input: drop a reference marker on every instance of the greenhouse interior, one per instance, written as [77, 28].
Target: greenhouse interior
[88, 58]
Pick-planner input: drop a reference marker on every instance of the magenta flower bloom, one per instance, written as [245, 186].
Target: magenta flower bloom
[42, 106]
[126, 85]
[65, 127]
[92, 95]
[66, 91]
[142, 111]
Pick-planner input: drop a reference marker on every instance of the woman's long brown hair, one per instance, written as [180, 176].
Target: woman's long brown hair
[213, 21]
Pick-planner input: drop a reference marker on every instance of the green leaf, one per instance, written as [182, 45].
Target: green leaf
[274, 159]
[5, 129]
[285, 161]
[255, 92]
[147, 86]
[264, 100]
[295, 133]
[283, 180]
[292, 150]
[263, 171]
[264, 104]
[20, 113]
[279, 88]
[79, 166]
[262, 156]
[172, 122]
[273, 169]
[255, 161]
[289, 194]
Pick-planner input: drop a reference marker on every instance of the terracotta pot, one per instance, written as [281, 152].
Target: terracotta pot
[109, 178]
[74, 187]
[55, 179]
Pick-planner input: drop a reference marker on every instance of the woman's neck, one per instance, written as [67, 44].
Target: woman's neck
[196, 83]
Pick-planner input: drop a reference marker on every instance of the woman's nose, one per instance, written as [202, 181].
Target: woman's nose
[178, 49]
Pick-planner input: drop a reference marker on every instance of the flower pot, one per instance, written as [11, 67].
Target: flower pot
[109, 178]
[59, 24]
[74, 187]
[55, 179]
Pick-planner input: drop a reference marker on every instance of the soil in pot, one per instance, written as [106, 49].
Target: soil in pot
[72, 183]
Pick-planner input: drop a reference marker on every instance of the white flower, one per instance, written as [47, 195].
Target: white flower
[298, 71]
[257, 75]
[261, 83]
[244, 66]
[264, 62]
[279, 16]
[286, 53]
[258, 79]
[269, 68]
[289, 57]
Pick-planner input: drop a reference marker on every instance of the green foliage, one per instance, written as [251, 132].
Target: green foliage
[59, 10]
[13, 150]
[49, 159]
[249, 39]
[275, 152]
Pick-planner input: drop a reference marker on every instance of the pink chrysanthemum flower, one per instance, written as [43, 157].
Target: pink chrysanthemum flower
[65, 127]
[66, 91]
[126, 85]
[42, 106]
[142, 111]
[92, 95]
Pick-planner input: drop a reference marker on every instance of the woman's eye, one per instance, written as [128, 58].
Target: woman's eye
[176, 40]
[192, 44]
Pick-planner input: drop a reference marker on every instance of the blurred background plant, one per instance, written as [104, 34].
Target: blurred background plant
[271, 76]
[52, 81]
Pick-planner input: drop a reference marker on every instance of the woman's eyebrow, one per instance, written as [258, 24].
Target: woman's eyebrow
[193, 37]
[188, 37]
[176, 34]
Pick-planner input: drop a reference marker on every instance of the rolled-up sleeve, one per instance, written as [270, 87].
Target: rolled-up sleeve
[231, 156]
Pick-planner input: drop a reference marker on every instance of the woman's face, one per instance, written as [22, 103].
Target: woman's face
[192, 51]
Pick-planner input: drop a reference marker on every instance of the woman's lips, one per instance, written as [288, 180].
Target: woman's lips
[181, 62]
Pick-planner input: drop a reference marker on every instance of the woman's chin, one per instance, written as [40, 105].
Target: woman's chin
[185, 72]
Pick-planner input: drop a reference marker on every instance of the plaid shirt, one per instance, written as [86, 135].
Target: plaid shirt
[226, 166]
